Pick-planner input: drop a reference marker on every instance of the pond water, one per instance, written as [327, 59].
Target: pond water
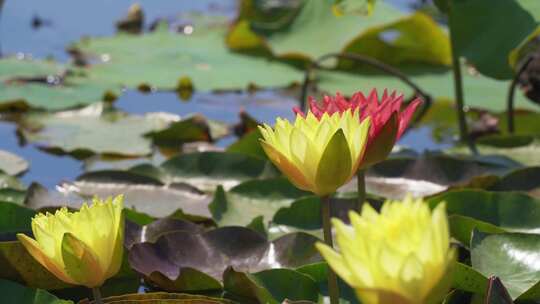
[66, 21]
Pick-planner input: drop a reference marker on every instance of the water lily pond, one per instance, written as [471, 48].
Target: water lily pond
[205, 151]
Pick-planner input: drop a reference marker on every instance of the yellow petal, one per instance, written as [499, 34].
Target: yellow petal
[287, 167]
[336, 262]
[334, 168]
[118, 230]
[39, 255]
[81, 262]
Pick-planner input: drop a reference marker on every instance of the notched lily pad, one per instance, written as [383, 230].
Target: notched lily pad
[184, 260]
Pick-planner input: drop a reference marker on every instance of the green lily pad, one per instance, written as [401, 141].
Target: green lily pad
[11, 292]
[23, 85]
[528, 155]
[89, 130]
[510, 256]
[206, 170]
[200, 56]
[511, 211]
[12, 164]
[468, 279]
[413, 39]
[384, 35]
[486, 42]
[244, 202]
[480, 91]
[249, 144]
[14, 218]
[305, 213]
[189, 129]
[271, 286]
[525, 179]
[14, 196]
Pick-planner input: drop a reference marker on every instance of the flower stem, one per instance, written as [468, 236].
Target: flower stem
[333, 290]
[97, 295]
[458, 92]
[361, 185]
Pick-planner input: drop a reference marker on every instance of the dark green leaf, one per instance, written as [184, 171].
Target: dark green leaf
[252, 199]
[513, 257]
[11, 292]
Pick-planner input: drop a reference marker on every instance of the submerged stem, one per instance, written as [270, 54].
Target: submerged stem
[97, 295]
[361, 188]
[333, 290]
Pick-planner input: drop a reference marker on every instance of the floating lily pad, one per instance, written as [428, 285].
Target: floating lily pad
[44, 85]
[384, 35]
[273, 286]
[241, 204]
[510, 256]
[491, 41]
[10, 182]
[493, 211]
[305, 213]
[206, 170]
[249, 144]
[468, 279]
[189, 129]
[14, 218]
[14, 196]
[12, 164]
[525, 179]
[182, 260]
[200, 56]
[528, 155]
[426, 174]
[480, 91]
[89, 130]
[140, 193]
[11, 292]
[152, 231]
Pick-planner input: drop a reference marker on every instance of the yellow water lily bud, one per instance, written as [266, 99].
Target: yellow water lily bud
[317, 155]
[83, 247]
[400, 256]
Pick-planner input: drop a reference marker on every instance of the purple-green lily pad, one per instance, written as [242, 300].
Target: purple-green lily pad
[183, 260]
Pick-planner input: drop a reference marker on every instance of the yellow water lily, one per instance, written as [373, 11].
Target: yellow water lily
[83, 247]
[317, 155]
[400, 256]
